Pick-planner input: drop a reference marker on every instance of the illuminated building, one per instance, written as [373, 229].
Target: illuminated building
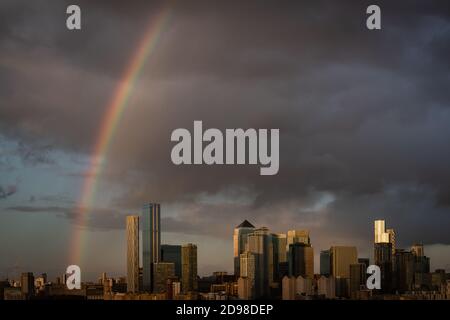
[132, 225]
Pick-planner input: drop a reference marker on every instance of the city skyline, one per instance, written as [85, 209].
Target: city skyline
[380, 232]
[272, 265]
[291, 239]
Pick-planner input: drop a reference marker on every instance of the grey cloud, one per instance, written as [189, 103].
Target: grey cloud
[96, 218]
[37, 209]
[34, 155]
[7, 191]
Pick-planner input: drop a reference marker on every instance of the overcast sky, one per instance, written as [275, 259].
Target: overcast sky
[364, 119]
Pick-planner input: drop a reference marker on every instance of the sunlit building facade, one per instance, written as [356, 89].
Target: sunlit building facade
[189, 268]
[381, 236]
[298, 236]
[132, 225]
[240, 242]
[247, 275]
[341, 259]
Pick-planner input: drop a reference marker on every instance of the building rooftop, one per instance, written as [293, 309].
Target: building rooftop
[245, 224]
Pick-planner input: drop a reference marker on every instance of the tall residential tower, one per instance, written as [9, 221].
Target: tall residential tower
[132, 253]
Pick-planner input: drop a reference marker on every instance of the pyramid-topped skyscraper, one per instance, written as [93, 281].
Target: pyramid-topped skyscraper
[240, 242]
[245, 224]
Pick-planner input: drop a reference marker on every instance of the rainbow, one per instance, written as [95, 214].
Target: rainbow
[111, 120]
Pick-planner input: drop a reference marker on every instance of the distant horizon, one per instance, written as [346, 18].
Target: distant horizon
[116, 275]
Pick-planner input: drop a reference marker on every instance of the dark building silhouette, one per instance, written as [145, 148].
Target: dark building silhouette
[27, 282]
[365, 262]
[172, 253]
[279, 242]
[358, 278]
[403, 270]
[3, 285]
[301, 260]
[422, 276]
[325, 263]
[383, 259]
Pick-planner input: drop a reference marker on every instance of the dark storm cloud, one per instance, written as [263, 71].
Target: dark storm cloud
[360, 113]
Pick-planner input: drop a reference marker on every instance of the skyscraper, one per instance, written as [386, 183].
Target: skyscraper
[301, 260]
[151, 240]
[297, 236]
[189, 268]
[240, 242]
[383, 252]
[280, 242]
[172, 253]
[384, 245]
[421, 268]
[246, 281]
[391, 233]
[383, 259]
[341, 259]
[247, 265]
[261, 245]
[132, 253]
[381, 236]
[403, 270]
[417, 250]
[325, 263]
[279, 254]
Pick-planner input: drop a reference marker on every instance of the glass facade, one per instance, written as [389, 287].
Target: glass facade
[151, 241]
[325, 263]
[172, 253]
